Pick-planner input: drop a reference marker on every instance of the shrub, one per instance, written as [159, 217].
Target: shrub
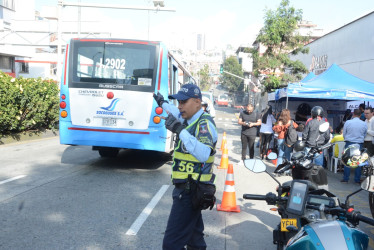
[27, 104]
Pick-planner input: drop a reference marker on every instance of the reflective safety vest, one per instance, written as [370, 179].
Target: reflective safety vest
[184, 163]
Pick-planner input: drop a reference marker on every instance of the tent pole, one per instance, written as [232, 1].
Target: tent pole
[287, 102]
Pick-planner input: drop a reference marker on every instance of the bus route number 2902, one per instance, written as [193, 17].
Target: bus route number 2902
[113, 63]
[186, 167]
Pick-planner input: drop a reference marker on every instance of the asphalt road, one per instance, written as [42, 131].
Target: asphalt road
[56, 196]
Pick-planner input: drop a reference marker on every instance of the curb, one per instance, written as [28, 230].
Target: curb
[27, 136]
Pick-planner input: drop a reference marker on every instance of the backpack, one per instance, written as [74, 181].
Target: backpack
[291, 135]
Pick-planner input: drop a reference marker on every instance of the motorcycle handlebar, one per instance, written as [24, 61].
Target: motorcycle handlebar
[254, 197]
[355, 216]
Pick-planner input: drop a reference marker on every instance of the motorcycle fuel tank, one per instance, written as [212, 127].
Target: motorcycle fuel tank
[329, 234]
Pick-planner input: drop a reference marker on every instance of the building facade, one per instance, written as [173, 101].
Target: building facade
[28, 39]
[350, 46]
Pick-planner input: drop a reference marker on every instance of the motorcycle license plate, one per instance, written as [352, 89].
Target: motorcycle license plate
[288, 222]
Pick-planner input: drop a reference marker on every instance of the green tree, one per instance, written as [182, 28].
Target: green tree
[204, 78]
[280, 37]
[233, 83]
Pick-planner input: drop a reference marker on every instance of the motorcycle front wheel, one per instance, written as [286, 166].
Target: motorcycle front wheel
[371, 203]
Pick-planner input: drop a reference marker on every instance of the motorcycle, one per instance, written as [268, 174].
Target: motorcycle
[314, 218]
[302, 167]
[301, 164]
[368, 170]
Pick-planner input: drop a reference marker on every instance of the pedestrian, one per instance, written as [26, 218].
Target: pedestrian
[312, 135]
[266, 130]
[362, 110]
[281, 127]
[354, 132]
[249, 121]
[347, 115]
[368, 141]
[193, 157]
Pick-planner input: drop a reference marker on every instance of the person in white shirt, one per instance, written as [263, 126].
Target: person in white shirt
[369, 138]
[266, 130]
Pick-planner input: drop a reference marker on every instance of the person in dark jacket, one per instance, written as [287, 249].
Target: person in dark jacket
[249, 119]
[311, 134]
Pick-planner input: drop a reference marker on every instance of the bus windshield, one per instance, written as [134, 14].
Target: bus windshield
[117, 63]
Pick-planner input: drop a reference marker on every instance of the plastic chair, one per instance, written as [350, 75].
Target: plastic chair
[334, 159]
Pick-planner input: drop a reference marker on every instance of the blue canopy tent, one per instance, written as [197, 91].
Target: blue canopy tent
[279, 93]
[333, 84]
[310, 76]
[331, 89]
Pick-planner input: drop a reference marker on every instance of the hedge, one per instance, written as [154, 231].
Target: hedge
[27, 104]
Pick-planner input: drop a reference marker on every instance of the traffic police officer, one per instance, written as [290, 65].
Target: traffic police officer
[193, 155]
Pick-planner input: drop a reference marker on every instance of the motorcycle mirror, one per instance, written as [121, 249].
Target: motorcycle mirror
[256, 166]
[324, 127]
[272, 156]
[368, 184]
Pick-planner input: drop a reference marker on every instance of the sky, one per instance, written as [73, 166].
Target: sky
[234, 22]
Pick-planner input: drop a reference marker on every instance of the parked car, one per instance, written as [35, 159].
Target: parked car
[223, 100]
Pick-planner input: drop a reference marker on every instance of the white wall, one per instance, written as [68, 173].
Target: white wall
[351, 47]
[25, 10]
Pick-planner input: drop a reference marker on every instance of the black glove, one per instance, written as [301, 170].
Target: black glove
[172, 124]
[159, 99]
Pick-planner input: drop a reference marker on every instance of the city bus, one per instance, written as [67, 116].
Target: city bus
[106, 94]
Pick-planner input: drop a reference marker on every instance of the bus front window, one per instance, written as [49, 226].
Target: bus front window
[119, 63]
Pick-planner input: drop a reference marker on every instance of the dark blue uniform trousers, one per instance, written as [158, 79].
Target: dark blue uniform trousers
[185, 225]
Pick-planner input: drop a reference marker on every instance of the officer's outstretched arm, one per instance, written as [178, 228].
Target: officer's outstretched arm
[201, 146]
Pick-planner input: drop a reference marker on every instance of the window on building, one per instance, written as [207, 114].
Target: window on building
[7, 4]
[24, 67]
[7, 63]
[53, 69]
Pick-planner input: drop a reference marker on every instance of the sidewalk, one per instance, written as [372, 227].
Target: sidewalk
[27, 136]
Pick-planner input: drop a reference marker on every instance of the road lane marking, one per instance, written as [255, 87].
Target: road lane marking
[12, 179]
[146, 211]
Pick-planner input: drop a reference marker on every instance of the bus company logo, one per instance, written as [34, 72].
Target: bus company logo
[94, 93]
[110, 109]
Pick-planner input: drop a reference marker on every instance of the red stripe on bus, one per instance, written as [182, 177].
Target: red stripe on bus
[29, 61]
[159, 72]
[111, 41]
[66, 61]
[110, 131]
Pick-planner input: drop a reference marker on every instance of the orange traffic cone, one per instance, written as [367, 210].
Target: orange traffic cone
[273, 161]
[229, 198]
[224, 141]
[224, 157]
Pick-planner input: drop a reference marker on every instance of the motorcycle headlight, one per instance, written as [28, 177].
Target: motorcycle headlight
[306, 162]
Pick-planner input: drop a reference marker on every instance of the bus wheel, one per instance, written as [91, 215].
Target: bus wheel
[109, 152]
